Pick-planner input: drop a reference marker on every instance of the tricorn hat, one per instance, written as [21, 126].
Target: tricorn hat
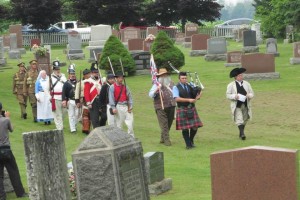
[33, 62]
[86, 71]
[117, 74]
[56, 64]
[236, 71]
[162, 71]
[94, 67]
[21, 64]
[71, 69]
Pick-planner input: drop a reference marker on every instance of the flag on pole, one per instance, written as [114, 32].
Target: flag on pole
[153, 69]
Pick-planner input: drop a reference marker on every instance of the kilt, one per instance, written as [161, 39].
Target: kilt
[182, 120]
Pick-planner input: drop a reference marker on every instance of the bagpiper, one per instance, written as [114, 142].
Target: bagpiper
[18, 82]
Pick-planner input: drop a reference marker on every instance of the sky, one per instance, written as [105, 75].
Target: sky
[232, 2]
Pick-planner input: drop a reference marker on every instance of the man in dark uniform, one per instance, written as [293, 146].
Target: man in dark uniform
[68, 98]
[104, 100]
[29, 87]
[187, 118]
[18, 82]
[7, 158]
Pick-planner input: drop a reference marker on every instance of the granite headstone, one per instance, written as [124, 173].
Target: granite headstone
[216, 49]
[74, 51]
[271, 46]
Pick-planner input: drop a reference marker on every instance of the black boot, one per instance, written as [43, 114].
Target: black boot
[25, 116]
[192, 135]
[242, 134]
[185, 134]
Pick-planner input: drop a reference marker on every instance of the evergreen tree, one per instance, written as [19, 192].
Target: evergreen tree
[163, 50]
[115, 50]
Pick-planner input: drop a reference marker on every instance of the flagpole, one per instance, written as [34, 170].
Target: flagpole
[154, 79]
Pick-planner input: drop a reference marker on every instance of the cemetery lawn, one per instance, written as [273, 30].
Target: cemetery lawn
[276, 116]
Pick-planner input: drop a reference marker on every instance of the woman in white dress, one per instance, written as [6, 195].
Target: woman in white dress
[44, 112]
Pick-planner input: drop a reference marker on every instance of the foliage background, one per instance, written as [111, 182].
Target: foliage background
[275, 119]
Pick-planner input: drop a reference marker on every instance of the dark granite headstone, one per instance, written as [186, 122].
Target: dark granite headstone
[249, 38]
[109, 164]
[234, 57]
[258, 63]
[130, 33]
[255, 173]
[142, 60]
[191, 29]
[199, 41]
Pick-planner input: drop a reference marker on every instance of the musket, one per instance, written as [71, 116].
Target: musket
[173, 67]
[111, 67]
[96, 61]
[122, 68]
[79, 96]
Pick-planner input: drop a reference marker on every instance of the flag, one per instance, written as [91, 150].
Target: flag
[153, 70]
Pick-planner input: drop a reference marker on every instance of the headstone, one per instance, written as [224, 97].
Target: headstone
[44, 63]
[255, 172]
[179, 38]
[216, 49]
[199, 44]
[48, 47]
[109, 164]
[256, 27]
[249, 42]
[259, 66]
[99, 34]
[47, 173]
[14, 52]
[2, 56]
[289, 34]
[296, 54]
[17, 29]
[130, 33]
[135, 45]
[141, 59]
[271, 46]
[234, 59]
[152, 30]
[190, 30]
[74, 51]
[154, 164]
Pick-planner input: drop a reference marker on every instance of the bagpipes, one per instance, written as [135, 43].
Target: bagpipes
[196, 85]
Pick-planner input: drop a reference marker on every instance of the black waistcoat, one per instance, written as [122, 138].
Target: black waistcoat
[184, 94]
[240, 90]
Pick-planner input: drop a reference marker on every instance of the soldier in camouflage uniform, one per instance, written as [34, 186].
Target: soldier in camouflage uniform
[29, 87]
[18, 82]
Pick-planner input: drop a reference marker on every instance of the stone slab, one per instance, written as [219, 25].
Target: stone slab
[295, 61]
[255, 173]
[198, 53]
[215, 57]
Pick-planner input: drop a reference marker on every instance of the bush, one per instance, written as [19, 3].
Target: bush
[115, 50]
[163, 50]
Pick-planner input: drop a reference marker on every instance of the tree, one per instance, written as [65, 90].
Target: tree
[115, 50]
[275, 15]
[163, 50]
[108, 11]
[5, 16]
[39, 13]
[172, 11]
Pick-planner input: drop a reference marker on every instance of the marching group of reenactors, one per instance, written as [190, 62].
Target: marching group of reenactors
[92, 100]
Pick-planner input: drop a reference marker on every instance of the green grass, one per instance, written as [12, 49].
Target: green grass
[275, 120]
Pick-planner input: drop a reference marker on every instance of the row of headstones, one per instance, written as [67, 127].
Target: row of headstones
[108, 164]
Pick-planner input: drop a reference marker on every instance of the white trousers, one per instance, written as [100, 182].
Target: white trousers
[241, 115]
[123, 116]
[110, 118]
[73, 115]
[58, 115]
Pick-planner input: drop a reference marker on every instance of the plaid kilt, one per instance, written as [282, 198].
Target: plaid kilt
[182, 120]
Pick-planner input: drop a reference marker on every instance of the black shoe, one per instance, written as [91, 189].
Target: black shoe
[48, 122]
[243, 137]
[23, 195]
[35, 119]
[25, 116]
[45, 123]
[188, 147]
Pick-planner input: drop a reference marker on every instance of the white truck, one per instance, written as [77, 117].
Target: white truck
[84, 31]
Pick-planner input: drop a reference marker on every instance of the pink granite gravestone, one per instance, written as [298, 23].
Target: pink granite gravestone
[255, 173]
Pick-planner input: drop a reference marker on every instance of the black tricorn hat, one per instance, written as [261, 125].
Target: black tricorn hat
[236, 71]
[94, 67]
[119, 74]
